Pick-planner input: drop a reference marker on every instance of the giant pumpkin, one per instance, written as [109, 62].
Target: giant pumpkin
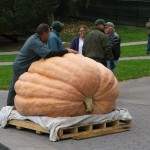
[71, 85]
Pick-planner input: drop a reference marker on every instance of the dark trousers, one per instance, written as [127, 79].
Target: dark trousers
[102, 61]
[11, 92]
[148, 45]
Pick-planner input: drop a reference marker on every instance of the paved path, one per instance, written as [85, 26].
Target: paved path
[120, 59]
[123, 44]
[134, 96]
[134, 43]
[9, 53]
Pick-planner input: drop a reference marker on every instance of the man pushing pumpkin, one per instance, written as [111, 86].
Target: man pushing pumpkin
[33, 49]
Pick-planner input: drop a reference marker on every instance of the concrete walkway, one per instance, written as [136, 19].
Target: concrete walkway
[9, 53]
[120, 59]
[134, 43]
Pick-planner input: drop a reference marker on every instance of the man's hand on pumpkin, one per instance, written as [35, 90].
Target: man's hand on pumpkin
[72, 51]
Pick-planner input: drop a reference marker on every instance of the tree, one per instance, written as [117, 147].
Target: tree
[23, 16]
[71, 7]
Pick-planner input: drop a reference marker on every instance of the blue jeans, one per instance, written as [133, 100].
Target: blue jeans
[148, 45]
[109, 65]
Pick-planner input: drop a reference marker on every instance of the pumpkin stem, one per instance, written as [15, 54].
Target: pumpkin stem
[88, 100]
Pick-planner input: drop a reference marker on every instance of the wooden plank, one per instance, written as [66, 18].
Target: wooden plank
[105, 131]
[98, 133]
[28, 125]
[80, 131]
[91, 130]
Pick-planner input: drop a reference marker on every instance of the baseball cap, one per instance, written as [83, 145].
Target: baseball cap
[100, 21]
[110, 24]
[57, 24]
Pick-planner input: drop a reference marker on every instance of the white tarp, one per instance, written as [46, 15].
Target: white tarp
[54, 124]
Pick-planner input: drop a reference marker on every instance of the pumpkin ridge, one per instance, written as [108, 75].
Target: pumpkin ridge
[33, 77]
[78, 68]
[52, 76]
[82, 59]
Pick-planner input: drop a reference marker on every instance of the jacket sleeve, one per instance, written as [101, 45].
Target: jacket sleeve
[106, 44]
[74, 44]
[42, 51]
[116, 49]
[56, 53]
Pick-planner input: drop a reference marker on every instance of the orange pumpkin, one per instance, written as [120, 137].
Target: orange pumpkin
[71, 85]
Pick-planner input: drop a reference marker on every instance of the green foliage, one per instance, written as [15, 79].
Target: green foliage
[6, 13]
[132, 69]
[133, 51]
[24, 15]
[131, 33]
[70, 8]
[7, 58]
[5, 77]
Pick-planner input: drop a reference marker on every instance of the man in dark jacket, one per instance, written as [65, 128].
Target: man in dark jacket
[115, 45]
[96, 44]
[33, 49]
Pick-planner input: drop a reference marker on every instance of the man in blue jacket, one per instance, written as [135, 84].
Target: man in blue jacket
[33, 49]
[54, 42]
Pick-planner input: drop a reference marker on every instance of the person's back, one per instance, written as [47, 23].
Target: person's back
[30, 52]
[54, 42]
[92, 46]
[97, 45]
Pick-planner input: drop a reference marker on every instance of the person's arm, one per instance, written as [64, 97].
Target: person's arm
[60, 53]
[116, 47]
[42, 51]
[56, 53]
[73, 44]
[107, 48]
[83, 50]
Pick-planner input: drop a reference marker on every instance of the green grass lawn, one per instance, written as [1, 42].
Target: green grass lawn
[131, 33]
[133, 51]
[7, 58]
[132, 69]
[5, 77]
[126, 70]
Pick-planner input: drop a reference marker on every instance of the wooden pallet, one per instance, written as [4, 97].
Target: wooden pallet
[80, 131]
